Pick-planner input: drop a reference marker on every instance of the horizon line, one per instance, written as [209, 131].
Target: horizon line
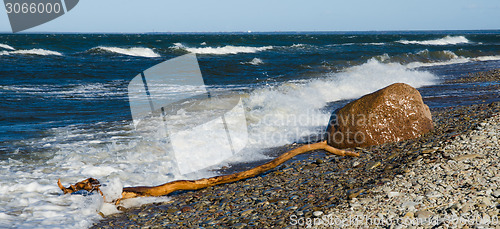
[268, 32]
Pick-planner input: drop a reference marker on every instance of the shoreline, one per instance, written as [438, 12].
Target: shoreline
[311, 187]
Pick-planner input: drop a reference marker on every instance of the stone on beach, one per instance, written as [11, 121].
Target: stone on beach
[391, 114]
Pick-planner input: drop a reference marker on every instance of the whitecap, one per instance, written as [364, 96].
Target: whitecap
[5, 46]
[448, 40]
[222, 50]
[40, 52]
[134, 51]
[254, 61]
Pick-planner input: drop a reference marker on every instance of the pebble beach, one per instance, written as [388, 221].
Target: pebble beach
[446, 178]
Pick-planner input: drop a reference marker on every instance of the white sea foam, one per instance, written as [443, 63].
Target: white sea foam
[39, 52]
[223, 50]
[134, 51]
[5, 46]
[276, 115]
[254, 61]
[487, 58]
[375, 43]
[31, 198]
[91, 91]
[448, 40]
[298, 45]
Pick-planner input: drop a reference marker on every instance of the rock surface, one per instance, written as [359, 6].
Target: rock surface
[391, 114]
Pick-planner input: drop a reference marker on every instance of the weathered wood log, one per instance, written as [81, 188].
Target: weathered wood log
[167, 188]
[89, 184]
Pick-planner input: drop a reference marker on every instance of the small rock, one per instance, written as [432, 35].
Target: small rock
[186, 209]
[393, 194]
[373, 165]
[477, 138]
[409, 215]
[487, 201]
[466, 207]
[467, 156]
[423, 214]
[355, 194]
[317, 213]
[496, 194]
[244, 213]
[409, 205]
[428, 151]
[434, 194]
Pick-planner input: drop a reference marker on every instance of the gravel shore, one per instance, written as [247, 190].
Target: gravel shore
[451, 170]
[461, 187]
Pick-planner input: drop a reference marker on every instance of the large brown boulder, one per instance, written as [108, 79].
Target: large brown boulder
[391, 114]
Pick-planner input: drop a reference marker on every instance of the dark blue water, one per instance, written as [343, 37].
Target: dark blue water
[81, 83]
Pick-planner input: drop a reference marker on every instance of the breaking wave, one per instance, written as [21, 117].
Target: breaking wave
[39, 52]
[5, 46]
[134, 51]
[254, 61]
[448, 40]
[432, 58]
[223, 50]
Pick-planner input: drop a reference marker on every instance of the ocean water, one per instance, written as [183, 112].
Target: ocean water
[64, 110]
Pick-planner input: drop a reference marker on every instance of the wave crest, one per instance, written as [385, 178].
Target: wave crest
[433, 58]
[448, 40]
[223, 50]
[134, 51]
[39, 52]
[5, 46]
[254, 61]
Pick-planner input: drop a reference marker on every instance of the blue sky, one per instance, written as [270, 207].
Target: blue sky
[271, 15]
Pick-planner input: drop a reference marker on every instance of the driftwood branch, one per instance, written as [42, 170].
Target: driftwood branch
[167, 188]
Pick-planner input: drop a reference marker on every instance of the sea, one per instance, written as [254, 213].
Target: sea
[65, 111]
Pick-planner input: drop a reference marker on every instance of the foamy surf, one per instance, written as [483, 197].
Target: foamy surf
[38, 52]
[222, 50]
[448, 40]
[5, 46]
[134, 51]
[92, 91]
